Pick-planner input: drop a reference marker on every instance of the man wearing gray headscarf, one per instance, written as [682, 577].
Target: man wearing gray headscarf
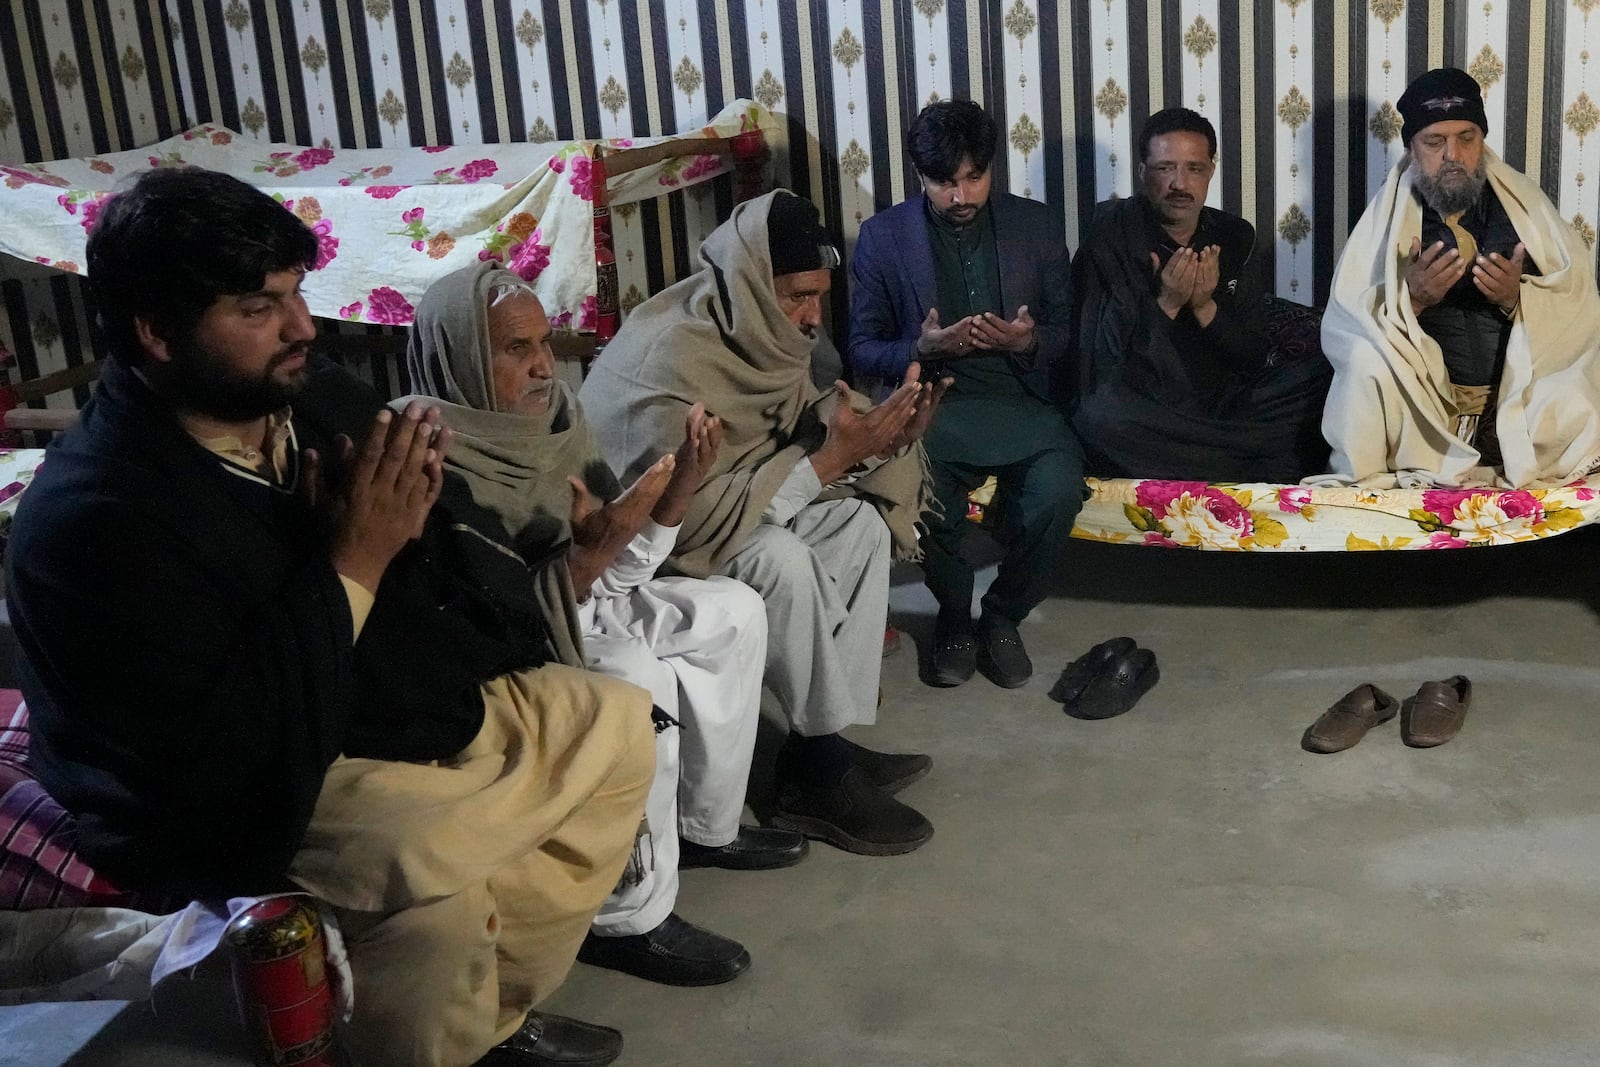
[806, 500]
[480, 344]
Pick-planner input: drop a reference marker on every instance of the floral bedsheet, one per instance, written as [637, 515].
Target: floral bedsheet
[1342, 519]
[1298, 518]
[16, 471]
[388, 222]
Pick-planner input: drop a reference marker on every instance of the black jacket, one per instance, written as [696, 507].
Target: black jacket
[1123, 338]
[188, 657]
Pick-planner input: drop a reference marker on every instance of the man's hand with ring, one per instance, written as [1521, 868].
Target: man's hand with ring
[992, 333]
[943, 342]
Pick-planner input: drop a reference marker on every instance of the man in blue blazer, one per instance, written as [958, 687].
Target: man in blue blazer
[975, 285]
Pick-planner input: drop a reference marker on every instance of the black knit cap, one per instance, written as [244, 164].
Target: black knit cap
[1440, 96]
[796, 237]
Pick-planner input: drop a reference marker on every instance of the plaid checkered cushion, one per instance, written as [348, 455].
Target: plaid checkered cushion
[38, 865]
[13, 728]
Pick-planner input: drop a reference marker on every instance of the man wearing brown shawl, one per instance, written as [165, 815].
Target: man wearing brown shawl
[804, 502]
[480, 344]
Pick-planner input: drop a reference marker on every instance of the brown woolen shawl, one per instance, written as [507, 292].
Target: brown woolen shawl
[720, 337]
[515, 466]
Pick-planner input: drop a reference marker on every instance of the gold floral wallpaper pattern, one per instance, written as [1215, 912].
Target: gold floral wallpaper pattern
[1302, 93]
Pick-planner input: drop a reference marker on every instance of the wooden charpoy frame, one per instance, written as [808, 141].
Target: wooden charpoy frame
[749, 153]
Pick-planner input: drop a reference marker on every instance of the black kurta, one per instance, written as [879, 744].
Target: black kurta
[1170, 398]
[1472, 332]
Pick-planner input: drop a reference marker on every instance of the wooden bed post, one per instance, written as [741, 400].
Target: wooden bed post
[608, 314]
[750, 155]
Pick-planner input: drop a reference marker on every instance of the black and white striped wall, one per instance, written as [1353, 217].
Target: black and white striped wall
[1301, 91]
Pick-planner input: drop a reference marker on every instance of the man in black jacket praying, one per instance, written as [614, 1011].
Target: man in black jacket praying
[1175, 375]
[259, 656]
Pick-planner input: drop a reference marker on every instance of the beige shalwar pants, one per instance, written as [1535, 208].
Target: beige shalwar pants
[464, 888]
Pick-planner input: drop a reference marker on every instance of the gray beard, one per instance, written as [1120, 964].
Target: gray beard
[1454, 190]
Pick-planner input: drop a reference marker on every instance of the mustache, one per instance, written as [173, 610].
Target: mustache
[299, 348]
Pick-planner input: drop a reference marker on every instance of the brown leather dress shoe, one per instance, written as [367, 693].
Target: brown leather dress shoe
[1436, 713]
[1348, 721]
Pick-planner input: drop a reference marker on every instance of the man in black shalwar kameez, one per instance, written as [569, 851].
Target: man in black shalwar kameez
[1173, 354]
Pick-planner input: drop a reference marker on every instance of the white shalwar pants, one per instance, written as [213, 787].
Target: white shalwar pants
[825, 579]
[698, 647]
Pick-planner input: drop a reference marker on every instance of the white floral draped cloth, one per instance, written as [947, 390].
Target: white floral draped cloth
[389, 222]
[1302, 518]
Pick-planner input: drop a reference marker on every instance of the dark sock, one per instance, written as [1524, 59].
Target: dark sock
[990, 620]
[819, 762]
[952, 623]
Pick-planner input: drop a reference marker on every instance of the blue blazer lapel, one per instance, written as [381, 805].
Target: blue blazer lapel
[1010, 249]
[917, 257]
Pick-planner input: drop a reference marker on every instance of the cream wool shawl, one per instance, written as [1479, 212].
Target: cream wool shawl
[720, 337]
[515, 466]
[1389, 417]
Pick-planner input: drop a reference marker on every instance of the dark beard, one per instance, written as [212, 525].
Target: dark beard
[198, 380]
[1454, 190]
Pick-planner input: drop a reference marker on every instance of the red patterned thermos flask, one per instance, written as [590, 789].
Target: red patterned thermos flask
[280, 976]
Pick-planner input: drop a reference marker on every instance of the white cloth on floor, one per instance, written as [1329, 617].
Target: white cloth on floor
[62, 954]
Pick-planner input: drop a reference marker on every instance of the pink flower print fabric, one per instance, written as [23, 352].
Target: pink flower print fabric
[387, 307]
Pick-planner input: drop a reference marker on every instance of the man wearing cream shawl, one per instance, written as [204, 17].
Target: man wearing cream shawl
[480, 347]
[1463, 324]
[805, 499]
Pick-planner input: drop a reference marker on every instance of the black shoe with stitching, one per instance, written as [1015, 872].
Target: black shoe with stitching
[754, 848]
[955, 657]
[1001, 657]
[852, 814]
[555, 1041]
[677, 952]
[890, 772]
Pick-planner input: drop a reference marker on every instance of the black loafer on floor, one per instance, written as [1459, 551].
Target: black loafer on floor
[555, 1041]
[675, 953]
[1001, 656]
[1081, 671]
[1118, 688]
[955, 659]
[756, 848]
[889, 772]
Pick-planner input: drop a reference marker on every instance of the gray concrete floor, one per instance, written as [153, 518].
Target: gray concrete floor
[1179, 887]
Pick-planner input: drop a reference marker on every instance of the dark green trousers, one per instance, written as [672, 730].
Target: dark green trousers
[1039, 496]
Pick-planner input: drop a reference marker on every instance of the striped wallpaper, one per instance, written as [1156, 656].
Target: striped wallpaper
[1301, 91]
